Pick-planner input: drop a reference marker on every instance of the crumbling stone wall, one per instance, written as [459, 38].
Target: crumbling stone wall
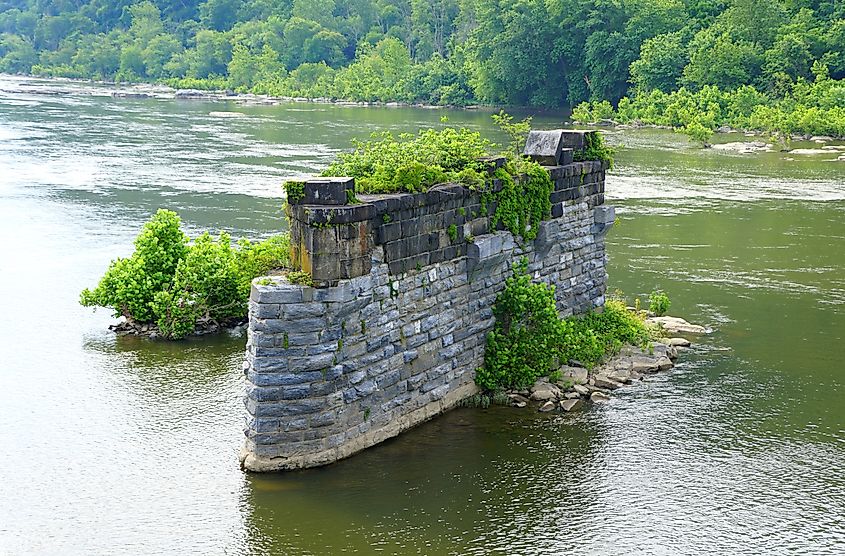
[396, 326]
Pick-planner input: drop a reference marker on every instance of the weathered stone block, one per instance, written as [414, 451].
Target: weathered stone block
[326, 191]
[544, 147]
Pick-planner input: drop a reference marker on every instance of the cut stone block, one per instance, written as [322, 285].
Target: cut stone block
[575, 138]
[327, 191]
[544, 147]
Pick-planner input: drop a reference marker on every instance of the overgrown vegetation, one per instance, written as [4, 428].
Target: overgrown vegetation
[658, 302]
[812, 105]
[174, 283]
[595, 149]
[413, 163]
[530, 340]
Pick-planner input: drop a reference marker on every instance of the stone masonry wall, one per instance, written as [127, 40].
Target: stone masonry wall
[394, 332]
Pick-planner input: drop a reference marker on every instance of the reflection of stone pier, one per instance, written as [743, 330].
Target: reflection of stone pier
[396, 326]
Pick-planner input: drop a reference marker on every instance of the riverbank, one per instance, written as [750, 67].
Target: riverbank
[804, 108]
[164, 91]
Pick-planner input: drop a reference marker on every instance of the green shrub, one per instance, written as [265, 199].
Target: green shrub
[613, 327]
[658, 302]
[173, 283]
[596, 149]
[527, 337]
[130, 285]
[530, 340]
[413, 163]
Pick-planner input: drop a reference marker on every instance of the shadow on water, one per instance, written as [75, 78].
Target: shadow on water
[161, 371]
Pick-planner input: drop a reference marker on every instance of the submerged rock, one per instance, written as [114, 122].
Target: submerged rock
[743, 147]
[676, 325]
[571, 405]
[678, 342]
[599, 397]
[548, 406]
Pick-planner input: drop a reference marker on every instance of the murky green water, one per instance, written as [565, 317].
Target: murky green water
[119, 445]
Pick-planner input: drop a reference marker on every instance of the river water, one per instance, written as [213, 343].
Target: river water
[127, 446]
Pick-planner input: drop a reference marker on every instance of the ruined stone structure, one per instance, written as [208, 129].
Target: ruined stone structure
[395, 325]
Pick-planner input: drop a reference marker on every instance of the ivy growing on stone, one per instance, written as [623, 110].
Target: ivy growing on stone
[295, 191]
[413, 163]
[595, 148]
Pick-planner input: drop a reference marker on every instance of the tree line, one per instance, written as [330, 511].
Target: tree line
[457, 52]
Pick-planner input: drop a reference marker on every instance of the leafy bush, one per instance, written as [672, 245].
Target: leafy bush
[614, 327]
[595, 149]
[414, 163]
[658, 302]
[530, 340]
[130, 285]
[173, 283]
[528, 335]
[387, 164]
[802, 106]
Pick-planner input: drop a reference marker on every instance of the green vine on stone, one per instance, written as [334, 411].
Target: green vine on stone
[595, 149]
[295, 191]
[525, 200]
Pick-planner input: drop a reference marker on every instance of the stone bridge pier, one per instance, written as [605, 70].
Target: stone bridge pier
[394, 327]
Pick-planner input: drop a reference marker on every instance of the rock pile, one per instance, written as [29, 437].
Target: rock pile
[573, 385]
[570, 388]
[203, 326]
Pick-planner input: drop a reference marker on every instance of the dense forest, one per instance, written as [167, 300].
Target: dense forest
[514, 52]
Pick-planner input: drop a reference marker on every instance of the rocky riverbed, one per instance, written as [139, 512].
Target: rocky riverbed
[574, 386]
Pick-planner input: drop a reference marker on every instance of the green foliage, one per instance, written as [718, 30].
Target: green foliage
[450, 52]
[805, 107]
[388, 164]
[595, 148]
[613, 327]
[530, 340]
[696, 131]
[658, 302]
[301, 278]
[661, 63]
[517, 132]
[130, 285]
[452, 230]
[173, 283]
[526, 340]
[414, 163]
[525, 198]
[257, 258]
[294, 190]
